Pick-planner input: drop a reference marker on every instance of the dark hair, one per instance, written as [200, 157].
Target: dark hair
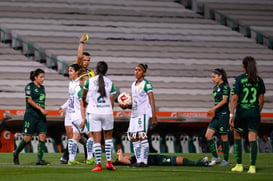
[144, 66]
[35, 73]
[220, 71]
[101, 70]
[78, 68]
[86, 53]
[251, 70]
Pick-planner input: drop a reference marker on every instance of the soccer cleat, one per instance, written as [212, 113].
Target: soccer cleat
[97, 168]
[73, 163]
[110, 166]
[90, 161]
[63, 160]
[42, 162]
[237, 168]
[216, 159]
[15, 159]
[143, 164]
[203, 162]
[135, 165]
[252, 169]
[224, 163]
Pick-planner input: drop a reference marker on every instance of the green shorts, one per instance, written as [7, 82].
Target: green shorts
[161, 160]
[247, 120]
[220, 122]
[34, 123]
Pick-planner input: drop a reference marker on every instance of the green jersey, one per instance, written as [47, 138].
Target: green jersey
[220, 91]
[38, 95]
[248, 93]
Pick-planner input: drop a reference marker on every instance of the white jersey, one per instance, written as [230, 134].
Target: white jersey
[72, 105]
[96, 103]
[140, 99]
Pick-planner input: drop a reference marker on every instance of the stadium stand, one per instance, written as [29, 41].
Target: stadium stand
[251, 18]
[174, 41]
[180, 45]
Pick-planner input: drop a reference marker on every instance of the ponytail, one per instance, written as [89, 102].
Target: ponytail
[101, 70]
[251, 69]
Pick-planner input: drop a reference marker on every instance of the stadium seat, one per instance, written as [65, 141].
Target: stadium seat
[126, 144]
[185, 143]
[170, 142]
[50, 145]
[196, 144]
[156, 142]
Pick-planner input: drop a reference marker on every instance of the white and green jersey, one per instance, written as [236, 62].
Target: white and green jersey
[96, 103]
[140, 99]
[72, 105]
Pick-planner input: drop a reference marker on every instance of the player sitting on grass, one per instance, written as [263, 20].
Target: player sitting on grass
[162, 160]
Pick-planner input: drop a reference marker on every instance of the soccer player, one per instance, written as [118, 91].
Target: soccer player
[99, 110]
[220, 121]
[248, 99]
[143, 109]
[161, 160]
[83, 59]
[35, 116]
[73, 119]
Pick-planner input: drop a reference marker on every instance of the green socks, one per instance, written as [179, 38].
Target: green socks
[20, 147]
[212, 148]
[238, 150]
[253, 152]
[226, 150]
[187, 162]
[41, 149]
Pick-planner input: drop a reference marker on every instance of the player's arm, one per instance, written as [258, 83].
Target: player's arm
[233, 103]
[33, 104]
[220, 104]
[80, 50]
[261, 101]
[152, 102]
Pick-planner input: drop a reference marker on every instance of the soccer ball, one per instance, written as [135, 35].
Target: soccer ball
[124, 99]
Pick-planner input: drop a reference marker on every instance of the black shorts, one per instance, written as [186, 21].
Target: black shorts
[247, 120]
[34, 123]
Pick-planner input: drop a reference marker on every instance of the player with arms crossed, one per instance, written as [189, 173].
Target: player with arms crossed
[35, 116]
[220, 121]
[99, 110]
[248, 98]
[143, 109]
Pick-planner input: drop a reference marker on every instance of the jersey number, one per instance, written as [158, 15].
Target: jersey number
[248, 91]
[100, 100]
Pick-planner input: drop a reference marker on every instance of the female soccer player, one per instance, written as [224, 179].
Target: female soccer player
[35, 116]
[248, 98]
[161, 160]
[74, 123]
[220, 121]
[143, 108]
[101, 92]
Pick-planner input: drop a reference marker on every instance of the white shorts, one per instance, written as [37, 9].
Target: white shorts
[99, 122]
[76, 127]
[139, 124]
[67, 119]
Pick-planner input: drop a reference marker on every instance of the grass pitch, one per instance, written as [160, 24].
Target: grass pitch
[28, 171]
